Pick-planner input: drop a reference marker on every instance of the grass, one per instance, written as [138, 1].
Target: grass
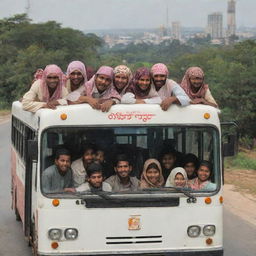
[4, 112]
[241, 161]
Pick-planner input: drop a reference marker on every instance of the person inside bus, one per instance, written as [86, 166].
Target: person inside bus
[140, 89]
[194, 86]
[77, 76]
[99, 92]
[203, 179]
[168, 159]
[190, 164]
[95, 180]
[79, 166]
[122, 181]
[122, 78]
[177, 178]
[168, 90]
[100, 158]
[47, 92]
[58, 176]
[151, 176]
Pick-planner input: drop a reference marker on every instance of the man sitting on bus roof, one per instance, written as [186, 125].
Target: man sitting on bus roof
[57, 177]
[95, 180]
[168, 90]
[99, 92]
[122, 181]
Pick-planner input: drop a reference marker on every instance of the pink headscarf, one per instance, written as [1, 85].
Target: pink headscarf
[77, 65]
[159, 69]
[144, 182]
[110, 91]
[185, 83]
[134, 88]
[52, 69]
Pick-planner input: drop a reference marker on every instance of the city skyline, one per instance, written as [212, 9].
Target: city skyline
[114, 14]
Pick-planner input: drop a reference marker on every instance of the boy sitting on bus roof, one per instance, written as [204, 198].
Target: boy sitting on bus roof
[168, 90]
[99, 92]
[95, 180]
[58, 177]
[46, 92]
[122, 181]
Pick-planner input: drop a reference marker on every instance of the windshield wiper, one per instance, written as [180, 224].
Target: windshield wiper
[191, 198]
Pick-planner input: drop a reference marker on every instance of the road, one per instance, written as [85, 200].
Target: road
[239, 236]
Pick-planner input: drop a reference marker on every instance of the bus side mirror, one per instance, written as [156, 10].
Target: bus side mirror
[230, 146]
[33, 149]
[229, 138]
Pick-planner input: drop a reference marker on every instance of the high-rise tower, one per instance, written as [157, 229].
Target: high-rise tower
[231, 16]
[176, 30]
[215, 25]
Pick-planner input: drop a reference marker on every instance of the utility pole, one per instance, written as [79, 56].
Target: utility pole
[27, 8]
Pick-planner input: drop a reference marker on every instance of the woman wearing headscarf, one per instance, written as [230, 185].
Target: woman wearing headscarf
[141, 90]
[177, 178]
[122, 78]
[76, 74]
[99, 92]
[46, 92]
[194, 86]
[151, 176]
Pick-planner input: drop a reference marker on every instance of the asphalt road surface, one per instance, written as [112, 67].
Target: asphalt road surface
[239, 236]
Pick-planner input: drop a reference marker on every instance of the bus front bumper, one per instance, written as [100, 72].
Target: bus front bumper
[159, 253]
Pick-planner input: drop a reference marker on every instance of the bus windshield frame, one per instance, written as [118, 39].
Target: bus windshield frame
[52, 136]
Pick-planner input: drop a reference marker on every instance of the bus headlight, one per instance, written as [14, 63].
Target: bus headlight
[54, 234]
[194, 231]
[71, 233]
[209, 230]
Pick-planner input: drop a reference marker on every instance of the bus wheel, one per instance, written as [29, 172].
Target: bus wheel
[16, 210]
[34, 241]
[17, 215]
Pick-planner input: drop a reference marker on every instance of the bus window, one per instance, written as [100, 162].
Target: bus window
[137, 143]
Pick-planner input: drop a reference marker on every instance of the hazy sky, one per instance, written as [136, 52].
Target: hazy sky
[105, 14]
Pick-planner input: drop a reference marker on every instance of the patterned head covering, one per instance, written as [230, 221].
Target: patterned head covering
[122, 69]
[134, 88]
[77, 65]
[52, 69]
[170, 181]
[186, 85]
[159, 69]
[145, 183]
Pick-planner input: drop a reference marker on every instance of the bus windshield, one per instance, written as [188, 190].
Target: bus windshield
[133, 159]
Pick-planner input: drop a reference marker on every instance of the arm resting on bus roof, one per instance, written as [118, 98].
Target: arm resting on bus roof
[128, 98]
[180, 94]
[207, 100]
[31, 99]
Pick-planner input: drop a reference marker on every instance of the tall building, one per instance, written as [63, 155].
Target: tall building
[176, 30]
[215, 25]
[231, 16]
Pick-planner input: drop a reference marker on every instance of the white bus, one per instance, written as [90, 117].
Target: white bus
[164, 221]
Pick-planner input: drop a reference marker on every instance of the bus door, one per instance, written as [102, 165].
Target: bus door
[31, 164]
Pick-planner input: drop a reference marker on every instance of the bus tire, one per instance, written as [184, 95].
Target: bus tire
[34, 241]
[17, 215]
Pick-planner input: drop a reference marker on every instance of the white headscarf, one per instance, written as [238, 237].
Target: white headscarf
[170, 180]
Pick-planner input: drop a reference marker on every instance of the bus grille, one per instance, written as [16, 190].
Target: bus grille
[133, 239]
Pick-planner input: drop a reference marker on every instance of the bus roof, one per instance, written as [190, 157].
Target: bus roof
[121, 114]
